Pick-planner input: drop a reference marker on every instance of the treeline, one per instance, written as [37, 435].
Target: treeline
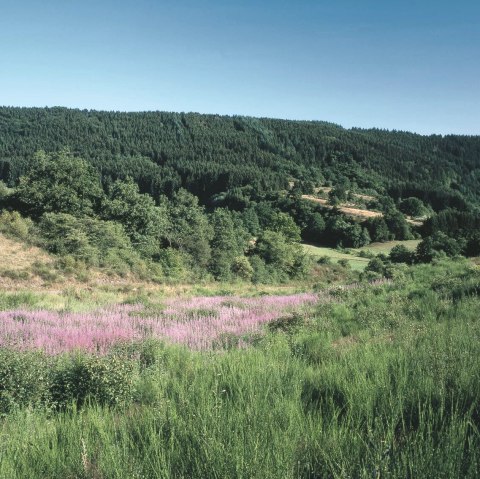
[211, 155]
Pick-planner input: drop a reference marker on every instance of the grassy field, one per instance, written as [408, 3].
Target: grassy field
[386, 247]
[357, 263]
[363, 381]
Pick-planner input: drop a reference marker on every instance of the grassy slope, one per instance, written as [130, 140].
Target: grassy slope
[386, 247]
[357, 263]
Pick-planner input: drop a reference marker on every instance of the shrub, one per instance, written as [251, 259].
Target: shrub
[412, 206]
[12, 224]
[108, 380]
[344, 263]
[375, 265]
[436, 244]
[242, 268]
[23, 379]
[366, 254]
[401, 254]
[324, 260]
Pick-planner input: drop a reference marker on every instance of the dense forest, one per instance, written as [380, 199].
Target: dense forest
[223, 195]
[211, 154]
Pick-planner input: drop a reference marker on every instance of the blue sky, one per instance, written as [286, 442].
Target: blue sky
[406, 65]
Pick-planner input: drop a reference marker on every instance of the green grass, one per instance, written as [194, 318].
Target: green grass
[382, 382]
[386, 247]
[356, 262]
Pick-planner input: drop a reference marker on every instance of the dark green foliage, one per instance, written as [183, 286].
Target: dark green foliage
[342, 231]
[59, 183]
[189, 229]
[107, 380]
[307, 215]
[401, 254]
[337, 195]
[453, 223]
[376, 265]
[210, 154]
[145, 223]
[398, 226]
[162, 176]
[473, 245]
[436, 244]
[286, 259]
[284, 223]
[412, 206]
[378, 229]
[228, 245]
[92, 241]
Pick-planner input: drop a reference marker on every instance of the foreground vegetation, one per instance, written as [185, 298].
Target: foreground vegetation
[381, 380]
[198, 296]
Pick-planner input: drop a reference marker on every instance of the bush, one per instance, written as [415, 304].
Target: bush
[286, 258]
[109, 380]
[376, 265]
[436, 245]
[92, 242]
[324, 260]
[174, 264]
[242, 268]
[13, 225]
[344, 263]
[23, 379]
[412, 206]
[401, 254]
[366, 254]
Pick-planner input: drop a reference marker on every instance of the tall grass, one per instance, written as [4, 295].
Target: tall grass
[383, 382]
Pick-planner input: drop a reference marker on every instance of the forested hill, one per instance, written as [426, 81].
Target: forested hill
[211, 155]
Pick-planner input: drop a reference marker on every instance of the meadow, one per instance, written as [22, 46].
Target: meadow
[353, 256]
[363, 380]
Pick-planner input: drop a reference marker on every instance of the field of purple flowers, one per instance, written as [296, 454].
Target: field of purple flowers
[199, 323]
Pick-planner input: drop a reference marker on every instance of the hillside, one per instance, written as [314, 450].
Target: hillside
[211, 154]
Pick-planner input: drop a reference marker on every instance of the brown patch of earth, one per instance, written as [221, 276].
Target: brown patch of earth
[357, 212]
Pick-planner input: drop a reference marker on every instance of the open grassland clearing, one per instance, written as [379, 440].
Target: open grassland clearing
[356, 262]
[380, 381]
[386, 247]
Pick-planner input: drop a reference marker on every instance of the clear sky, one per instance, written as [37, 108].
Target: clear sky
[405, 65]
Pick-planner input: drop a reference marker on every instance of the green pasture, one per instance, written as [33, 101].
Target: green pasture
[357, 263]
[386, 247]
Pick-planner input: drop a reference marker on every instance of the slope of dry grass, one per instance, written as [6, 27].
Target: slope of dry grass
[348, 210]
